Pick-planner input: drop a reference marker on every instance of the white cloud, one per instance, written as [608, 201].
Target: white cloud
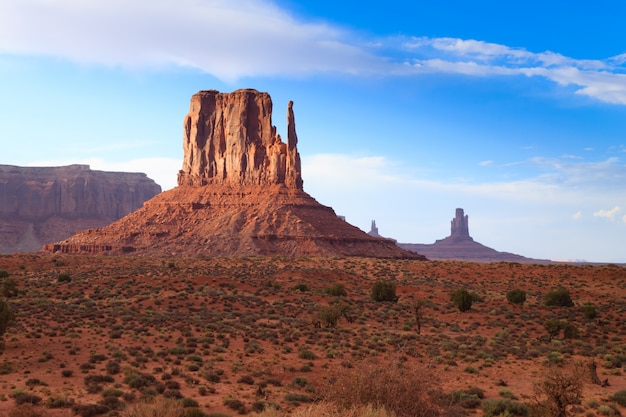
[229, 39]
[242, 38]
[598, 79]
[578, 215]
[486, 163]
[609, 214]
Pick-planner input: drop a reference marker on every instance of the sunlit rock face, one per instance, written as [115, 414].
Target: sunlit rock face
[228, 138]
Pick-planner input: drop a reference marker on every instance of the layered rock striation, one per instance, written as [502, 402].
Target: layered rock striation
[240, 193]
[229, 139]
[40, 205]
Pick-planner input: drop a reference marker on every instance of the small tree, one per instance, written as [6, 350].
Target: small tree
[558, 297]
[462, 299]
[559, 391]
[516, 296]
[6, 319]
[384, 291]
[9, 288]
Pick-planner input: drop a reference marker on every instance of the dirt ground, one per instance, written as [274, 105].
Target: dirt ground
[232, 335]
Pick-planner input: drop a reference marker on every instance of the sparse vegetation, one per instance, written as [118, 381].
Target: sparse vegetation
[558, 297]
[462, 299]
[516, 296]
[194, 334]
[384, 291]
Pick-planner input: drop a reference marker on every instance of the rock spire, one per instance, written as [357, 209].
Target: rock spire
[229, 139]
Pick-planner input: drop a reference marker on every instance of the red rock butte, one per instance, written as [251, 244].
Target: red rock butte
[240, 192]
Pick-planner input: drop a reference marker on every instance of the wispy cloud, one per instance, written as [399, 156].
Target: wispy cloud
[603, 80]
[243, 38]
[609, 214]
[227, 38]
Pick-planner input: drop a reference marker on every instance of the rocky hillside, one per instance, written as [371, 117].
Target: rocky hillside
[40, 205]
[240, 193]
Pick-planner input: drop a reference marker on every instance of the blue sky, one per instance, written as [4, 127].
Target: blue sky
[514, 111]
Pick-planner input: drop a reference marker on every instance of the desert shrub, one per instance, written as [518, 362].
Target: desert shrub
[6, 317]
[113, 367]
[137, 380]
[9, 288]
[3, 274]
[25, 410]
[89, 410]
[235, 404]
[67, 373]
[336, 290]
[590, 311]
[112, 392]
[619, 397]
[558, 297]
[493, 407]
[297, 398]
[96, 379]
[462, 299]
[188, 402]
[384, 291]
[59, 401]
[156, 407]
[570, 331]
[407, 392]
[195, 412]
[516, 296]
[64, 277]
[330, 315]
[306, 354]
[301, 287]
[22, 397]
[246, 379]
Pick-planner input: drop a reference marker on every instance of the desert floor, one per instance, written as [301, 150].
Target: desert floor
[233, 334]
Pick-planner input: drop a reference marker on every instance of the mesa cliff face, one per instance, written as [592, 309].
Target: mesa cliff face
[40, 205]
[229, 139]
[240, 193]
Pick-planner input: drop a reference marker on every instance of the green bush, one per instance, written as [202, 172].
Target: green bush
[384, 291]
[301, 287]
[494, 407]
[590, 311]
[64, 277]
[306, 354]
[559, 297]
[9, 288]
[6, 317]
[619, 397]
[3, 274]
[462, 299]
[516, 296]
[336, 290]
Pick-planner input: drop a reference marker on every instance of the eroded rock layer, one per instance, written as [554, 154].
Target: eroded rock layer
[240, 193]
[40, 205]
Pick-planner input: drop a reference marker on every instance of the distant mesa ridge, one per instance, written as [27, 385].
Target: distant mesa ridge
[461, 246]
[40, 205]
[240, 192]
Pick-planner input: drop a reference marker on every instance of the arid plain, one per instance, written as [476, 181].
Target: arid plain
[234, 335]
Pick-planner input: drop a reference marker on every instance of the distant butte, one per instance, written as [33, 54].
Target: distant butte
[40, 205]
[461, 246]
[240, 192]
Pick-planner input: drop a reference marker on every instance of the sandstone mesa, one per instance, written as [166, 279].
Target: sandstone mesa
[240, 193]
[40, 205]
